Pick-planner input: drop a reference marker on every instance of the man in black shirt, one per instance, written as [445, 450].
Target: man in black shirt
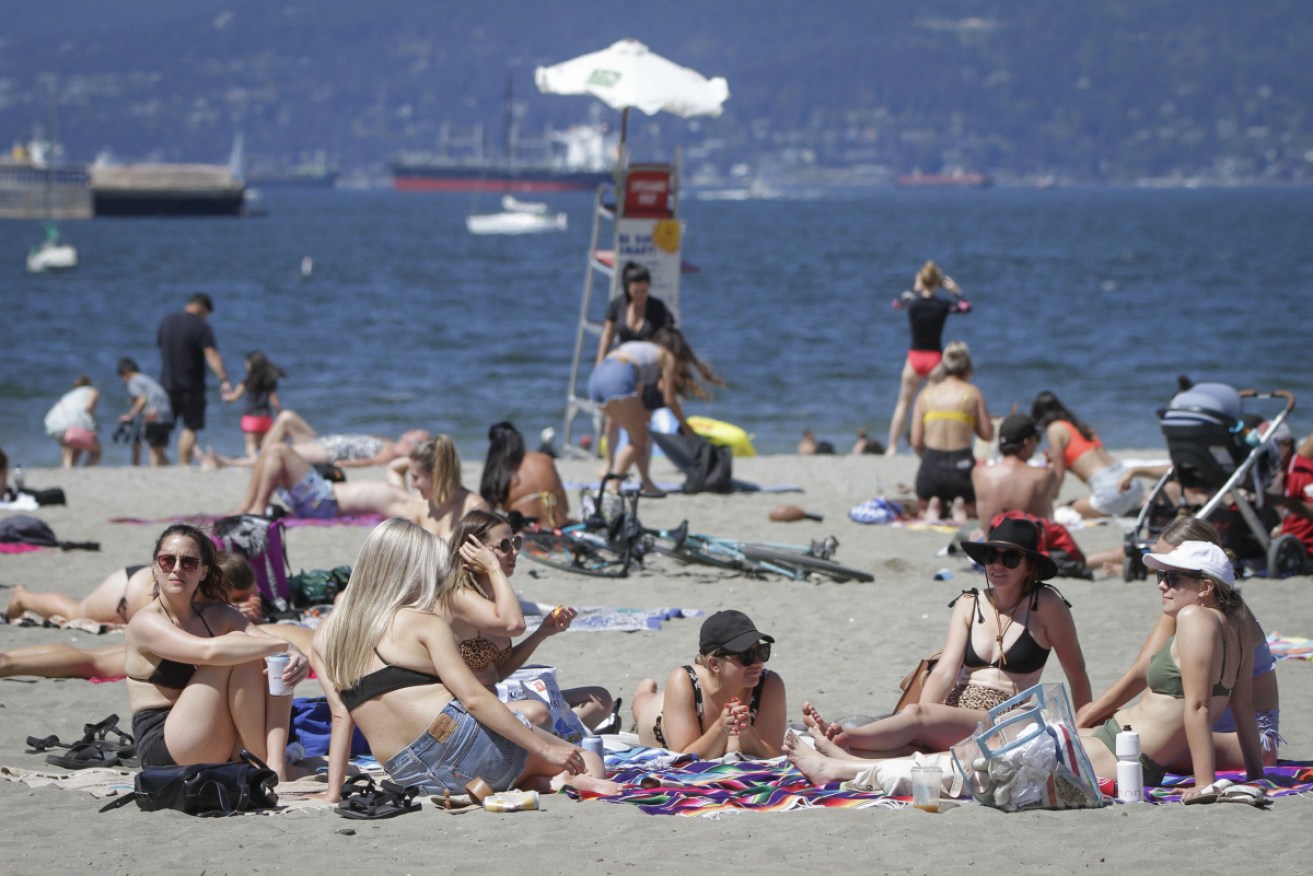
[187, 345]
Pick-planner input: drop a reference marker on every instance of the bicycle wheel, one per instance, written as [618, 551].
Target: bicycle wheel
[692, 549]
[807, 563]
[573, 555]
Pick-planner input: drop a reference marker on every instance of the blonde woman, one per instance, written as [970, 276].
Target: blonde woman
[434, 471]
[391, 666]
[949, 415]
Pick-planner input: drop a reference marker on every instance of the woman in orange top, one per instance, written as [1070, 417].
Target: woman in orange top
[1073, 445]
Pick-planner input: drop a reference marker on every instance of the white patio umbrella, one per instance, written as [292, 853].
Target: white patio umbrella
[628, 74]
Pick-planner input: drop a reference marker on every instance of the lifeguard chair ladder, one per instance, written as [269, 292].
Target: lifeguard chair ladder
[647, 193]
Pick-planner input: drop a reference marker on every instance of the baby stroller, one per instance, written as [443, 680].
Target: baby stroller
[1217, 447]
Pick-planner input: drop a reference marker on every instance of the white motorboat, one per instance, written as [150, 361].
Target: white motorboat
[517, 217]
[52, 254]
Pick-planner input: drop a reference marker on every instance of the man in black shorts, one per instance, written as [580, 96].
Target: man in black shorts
[187, 345]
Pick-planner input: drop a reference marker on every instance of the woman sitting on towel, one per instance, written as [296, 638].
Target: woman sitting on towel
[1193, 677]
[434, 471]
[392, 666]
[515, 479]
[1266, 696]
[948, 416]
[477, 600]
[196, 674]
[726, 701]
[1074, 446]
[997, 646]
[618, 383]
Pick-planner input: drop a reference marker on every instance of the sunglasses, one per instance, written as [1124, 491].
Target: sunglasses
[506, 545]
[759, 652]
[1172, 577]
[1009, 558]
[166, 562]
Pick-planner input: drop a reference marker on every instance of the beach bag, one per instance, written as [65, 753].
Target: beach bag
[25, 529]
[914, 681]
[312, 726]
[318, 587]
[204, 789]
[712, 469]
[1026, 754]
[539, 683]
[260, 540]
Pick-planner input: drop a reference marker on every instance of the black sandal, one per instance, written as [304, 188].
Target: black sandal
[362, 799]
[125, 746]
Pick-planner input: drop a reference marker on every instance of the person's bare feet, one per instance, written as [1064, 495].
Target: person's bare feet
[818, 768]
[585, 782]
[959, 511]
[828, 736]
[811, 717]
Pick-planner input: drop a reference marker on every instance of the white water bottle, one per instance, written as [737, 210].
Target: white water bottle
[19, 480]
[1130, 774]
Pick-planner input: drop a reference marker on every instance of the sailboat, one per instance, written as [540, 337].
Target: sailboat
[51, 254]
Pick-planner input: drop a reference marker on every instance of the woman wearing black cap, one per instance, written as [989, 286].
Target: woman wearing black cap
[726, 701]
[998, 643]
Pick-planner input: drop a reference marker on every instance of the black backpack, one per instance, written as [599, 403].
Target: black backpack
[25, 529]
[712, 469]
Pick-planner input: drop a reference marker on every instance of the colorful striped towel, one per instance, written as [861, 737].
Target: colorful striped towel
[1290, 647]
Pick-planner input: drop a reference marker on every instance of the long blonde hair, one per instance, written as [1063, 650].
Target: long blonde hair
[397, 568]
[439, 458]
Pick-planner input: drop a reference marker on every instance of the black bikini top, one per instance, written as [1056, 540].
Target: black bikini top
[172, 674]
[1024, 656]
[383, 681]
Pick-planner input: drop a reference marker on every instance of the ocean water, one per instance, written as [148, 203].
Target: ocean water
[1101, 295]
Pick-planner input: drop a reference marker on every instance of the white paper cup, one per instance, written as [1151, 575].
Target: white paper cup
[926, 782]
[276, 665]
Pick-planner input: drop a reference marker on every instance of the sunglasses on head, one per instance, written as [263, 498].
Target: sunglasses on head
[506, 545]
[1172, 577]
[758, 652]
[1009, 558]
[166, 562]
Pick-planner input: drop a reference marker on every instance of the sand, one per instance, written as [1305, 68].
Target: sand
[843, 646]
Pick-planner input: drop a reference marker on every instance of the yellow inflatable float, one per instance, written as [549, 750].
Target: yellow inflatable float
[725, 434]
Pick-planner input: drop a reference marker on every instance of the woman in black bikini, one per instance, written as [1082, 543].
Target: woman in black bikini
[725, 701]
[390, 664]
[998, 643]
[196, 674]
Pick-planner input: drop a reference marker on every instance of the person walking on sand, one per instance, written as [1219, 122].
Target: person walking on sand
[187, 346]
[72, 422]
[927, 313]
[260, 386]
[150, 416]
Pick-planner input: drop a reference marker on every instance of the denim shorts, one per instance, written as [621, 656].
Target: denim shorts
[613, 379]
[311, 497]
[454, 750]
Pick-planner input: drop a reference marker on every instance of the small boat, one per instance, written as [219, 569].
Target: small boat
[517, 217]
[51, 254]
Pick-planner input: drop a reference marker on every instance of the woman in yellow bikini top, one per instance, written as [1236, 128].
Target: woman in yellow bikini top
[949, 414]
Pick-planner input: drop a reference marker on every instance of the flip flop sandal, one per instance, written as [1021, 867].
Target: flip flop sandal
[1250, 795]
[82, 755]
[1210, 793]
[367, 801]
[35, 746]
[101, 731]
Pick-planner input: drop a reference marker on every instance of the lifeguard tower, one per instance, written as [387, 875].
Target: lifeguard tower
[638, 216]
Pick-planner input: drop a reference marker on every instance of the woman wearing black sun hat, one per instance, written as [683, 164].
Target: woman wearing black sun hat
[997, 646]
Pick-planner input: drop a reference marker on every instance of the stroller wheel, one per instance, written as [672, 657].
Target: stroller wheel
[1286, 556]
[1133, 568]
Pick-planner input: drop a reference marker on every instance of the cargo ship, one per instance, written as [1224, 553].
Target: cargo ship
[31, 174]
[573, 159]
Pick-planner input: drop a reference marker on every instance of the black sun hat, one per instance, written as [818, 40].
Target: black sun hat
[1015, 533]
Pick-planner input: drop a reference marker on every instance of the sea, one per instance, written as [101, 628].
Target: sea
[1102, 295]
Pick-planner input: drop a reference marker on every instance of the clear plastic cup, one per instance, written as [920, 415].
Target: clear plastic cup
[926, 783]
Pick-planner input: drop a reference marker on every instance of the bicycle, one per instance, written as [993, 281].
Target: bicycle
[607, 544]
[796, 562]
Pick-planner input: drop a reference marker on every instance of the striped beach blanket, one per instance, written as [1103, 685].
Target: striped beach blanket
[1286, 778]
[1290, 647]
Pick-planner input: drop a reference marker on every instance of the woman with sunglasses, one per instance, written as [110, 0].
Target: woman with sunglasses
[477, 600]
[195, 667]
[726, 701]
[1266, 696]
[997, 646]
[392, 666]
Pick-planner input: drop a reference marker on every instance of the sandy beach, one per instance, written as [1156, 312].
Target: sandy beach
[842, 646]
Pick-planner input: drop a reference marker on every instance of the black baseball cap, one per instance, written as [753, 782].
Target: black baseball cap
[1017, 428]
[729, 630]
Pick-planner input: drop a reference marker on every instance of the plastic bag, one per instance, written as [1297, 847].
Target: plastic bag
[1026, 755]
[539, 683]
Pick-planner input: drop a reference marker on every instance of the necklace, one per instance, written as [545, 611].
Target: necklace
[1002, 627]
